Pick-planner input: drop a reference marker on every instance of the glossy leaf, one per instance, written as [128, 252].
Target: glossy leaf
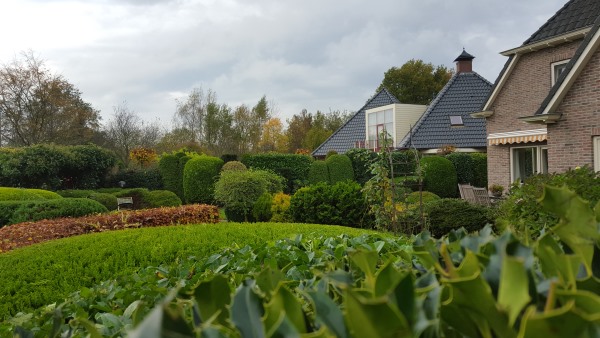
[213, 297]
[247, 310]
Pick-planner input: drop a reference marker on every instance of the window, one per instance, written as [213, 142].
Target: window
[527, 161]
[379, 122]
[596, 145]
[557, 69]
[456, 120]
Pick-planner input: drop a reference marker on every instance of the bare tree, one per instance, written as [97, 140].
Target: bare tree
[191, 113]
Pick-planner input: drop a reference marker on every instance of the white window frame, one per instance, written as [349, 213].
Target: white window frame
[539, 166]
[391, 133]
[596, 148]
[553, 67]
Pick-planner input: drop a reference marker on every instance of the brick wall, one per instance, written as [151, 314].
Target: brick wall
[570, 139]
[521, 95]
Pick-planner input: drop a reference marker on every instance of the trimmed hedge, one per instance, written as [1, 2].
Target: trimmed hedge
[107, 200]
[361, 163]
[7, 210]
[73, 193]
[415, 197]
[150, 179]
[293, 167]
[161, 198]
[439, 176]
[340, 204]
[168, 164]
[57, 208]
[449, 214]
[199, 176]
[480, 178]
[18, 194]
[138, 196]
[464, 166]
[318, 172]
[234, 165]
[340, 168]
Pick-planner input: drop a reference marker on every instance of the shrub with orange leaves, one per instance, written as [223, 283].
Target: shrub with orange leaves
[143, 156]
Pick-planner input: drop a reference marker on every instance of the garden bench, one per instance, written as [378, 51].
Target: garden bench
[466, 193]
[125, 203]
[482, 197]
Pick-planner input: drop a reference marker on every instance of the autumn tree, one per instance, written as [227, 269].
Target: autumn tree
[37, 106]
[273, 136]
[415, 82]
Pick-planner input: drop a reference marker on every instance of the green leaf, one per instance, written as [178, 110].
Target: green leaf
[92, 330]
[268, 279]
[213, 296]
[284, 303]
[558, 323]
[513, 294]
[366, 261]
[247, 310]
[329, 313]
[374, 317]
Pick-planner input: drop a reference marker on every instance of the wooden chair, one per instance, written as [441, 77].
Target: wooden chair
[466, 193]
[124, 203]
[482, 197]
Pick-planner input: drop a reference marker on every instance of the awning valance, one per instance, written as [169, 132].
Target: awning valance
[524, 136]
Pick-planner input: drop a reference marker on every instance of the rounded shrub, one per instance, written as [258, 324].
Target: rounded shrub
[7, 210]
[74, 193]
[107, 200]
[161, 198]
[318, 172]
[262, 208]
[57, 208]
[234, 165]
[415, 196]
[45, 194]
[439, 176]
[342, 204]
[448, 214]
[138, 195]
[89, 167]
[238, 191]
[361, 163]
[168, 165]
[340, 168]
[464, 165]
[199, 176]
[275, 183]
[18, 194]
[280, 206]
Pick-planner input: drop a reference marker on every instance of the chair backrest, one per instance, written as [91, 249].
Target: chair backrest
[124, 203]
[466, 193]
[482, 197]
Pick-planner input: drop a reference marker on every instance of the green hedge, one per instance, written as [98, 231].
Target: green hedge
[49, 209]
[361, 163]
[449, 214]
[199, 176]
[161, 198]
[18, 194]
[464, 166]
[150, 179]
[318, 172]
[169, 171]
[293, 167]
[107, 200]
[480, 178]
[7, 210]
[439, 176]
[340, 168]
[75, 193]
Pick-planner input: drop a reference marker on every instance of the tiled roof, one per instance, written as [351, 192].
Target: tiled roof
[462, 95]
[353, 130]
[574, 15]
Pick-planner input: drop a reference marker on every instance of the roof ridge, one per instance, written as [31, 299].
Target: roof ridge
[564, 7]
[432, 105]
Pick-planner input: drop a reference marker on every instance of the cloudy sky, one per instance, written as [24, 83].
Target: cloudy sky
[313, 54]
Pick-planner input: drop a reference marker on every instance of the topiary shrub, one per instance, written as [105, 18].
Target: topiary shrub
[7, 210]
[275, 183]
[49, 209]
[361, 163]
[168, 165]
[280, 206]
[150, 179]
[234, 165]
[479, 170]
[107, 200]
[139, 196]
[342, 203]
[318, 172]
[89, 167]
[415, 197]
[73, 193]
[45, 194]
[229, 157]
[464, 166]
[448, 214]
[18, 194]
[293, 167]
[199, 176]
[340, 168]
[330, 152]
[161, 198]
[439, 176]
[261, 211]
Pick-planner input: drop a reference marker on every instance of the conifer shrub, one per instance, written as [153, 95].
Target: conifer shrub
[341, 204]
[161, 198]
[107, 200]
[318, 172]
[439, 176]
[234, 165]
[49, 209]
[339, 168]
[199, 176]
[168, 165]
[18, 194]
[464, 166]
[480, 178]
[448, 214]
[280, 206]
[7, 210]
[262, 208]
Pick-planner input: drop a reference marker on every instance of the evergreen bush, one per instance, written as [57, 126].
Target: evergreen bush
[464, 166]
[339, 168]
[75, 193]
[480, 178]
[90, 167]
[439, 176]
[150, 178]
[361, 163]
[238, 191]
[7, 210]
[199, 176]
[234, 165]
[262, 208]
[18, 194]
[342, 204]
[293, 167]
[168, 165]
[280, 206]
[138, 195]
[161, 198]
[107, 200]
[49, 209]
[318, 172]
[448, 214]
[425, 196]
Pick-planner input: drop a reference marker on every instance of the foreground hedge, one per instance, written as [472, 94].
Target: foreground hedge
[23, 234]
[50, 209]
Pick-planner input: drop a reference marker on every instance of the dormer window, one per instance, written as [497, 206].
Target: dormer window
[557, 69]
[456, 121]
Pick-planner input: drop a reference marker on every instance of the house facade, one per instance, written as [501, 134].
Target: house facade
[543, 114]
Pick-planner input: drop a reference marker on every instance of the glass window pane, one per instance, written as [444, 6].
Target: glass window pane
[389, 116]
[372, 132]
[372, 119]
[380, 117]
[524, 163]
[544, 161]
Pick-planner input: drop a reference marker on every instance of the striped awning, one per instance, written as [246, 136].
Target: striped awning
[522, 136]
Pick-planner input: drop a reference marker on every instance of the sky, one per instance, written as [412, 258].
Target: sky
[313, 54]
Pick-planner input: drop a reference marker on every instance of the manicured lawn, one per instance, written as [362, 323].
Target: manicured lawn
[45, 273]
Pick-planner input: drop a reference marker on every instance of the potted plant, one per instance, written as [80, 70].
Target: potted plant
[496, 190]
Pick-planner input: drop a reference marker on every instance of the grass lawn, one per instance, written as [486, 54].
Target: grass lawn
[45, 273]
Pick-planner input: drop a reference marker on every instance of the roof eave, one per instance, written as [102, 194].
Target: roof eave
[547, 43]
[482, 114]
[542, 118]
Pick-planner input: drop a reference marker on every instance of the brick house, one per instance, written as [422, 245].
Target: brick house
[543, 114]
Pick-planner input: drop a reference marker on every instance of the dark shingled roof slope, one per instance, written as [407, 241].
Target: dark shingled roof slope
[462, 95]
[353, 130]
[574, 15]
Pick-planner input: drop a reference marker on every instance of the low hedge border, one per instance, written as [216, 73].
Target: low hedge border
[24, 234]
